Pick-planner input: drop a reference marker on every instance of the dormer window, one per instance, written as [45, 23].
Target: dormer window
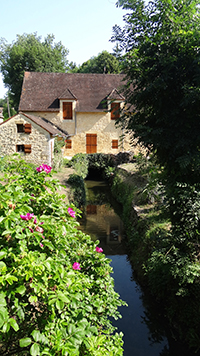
[115, 111]
[67, 111]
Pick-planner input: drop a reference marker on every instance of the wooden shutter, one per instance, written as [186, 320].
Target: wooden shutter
[115, 111]
[67, 111]
[27, 128]
[91, 143]
[27, 148]
[68, 143]
[114, 143]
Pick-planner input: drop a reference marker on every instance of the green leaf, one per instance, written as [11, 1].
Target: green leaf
[63, 297]
[48, 244]
[33, 299]
[2, 266]
[36, 335]
[2, 301]
[10, 279]
[25, 342]
[21, 290]
[2, 254]
[59, 304]
[14, 324]
[35, 350]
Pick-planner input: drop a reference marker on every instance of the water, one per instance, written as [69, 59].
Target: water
[101, 221]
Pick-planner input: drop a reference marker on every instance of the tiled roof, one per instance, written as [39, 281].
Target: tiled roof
[44, 123]
[42, 91]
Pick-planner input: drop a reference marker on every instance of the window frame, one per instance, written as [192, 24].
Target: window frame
[115, 107]
[23, 148]
[115, 144]
[20, 128]
[67, 103]
[68, 144]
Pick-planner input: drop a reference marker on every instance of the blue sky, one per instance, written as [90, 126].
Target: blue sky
[83, 26]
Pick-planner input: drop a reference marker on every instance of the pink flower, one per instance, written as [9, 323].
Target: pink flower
[71, 212]
[31, 230]
[44, 167]
[35, 221]
[76, 266]
[28, 216]
[99, 249]
[39, 169]
[41, 244]
[39, 229]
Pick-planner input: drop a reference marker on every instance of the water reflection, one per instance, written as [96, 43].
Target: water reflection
[143, 336]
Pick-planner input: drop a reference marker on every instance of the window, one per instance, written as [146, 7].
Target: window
[23, 148]
[20, 148]
[114, 143]
[67, 111]
[68, 143]
[24, 128]
[20, 128]
[115, 111]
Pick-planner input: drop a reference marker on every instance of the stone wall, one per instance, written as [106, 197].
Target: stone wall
[39, 139]
[90, 123]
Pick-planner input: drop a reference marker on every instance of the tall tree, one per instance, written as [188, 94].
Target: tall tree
[29, 53]
[162, 67]
[105, 62]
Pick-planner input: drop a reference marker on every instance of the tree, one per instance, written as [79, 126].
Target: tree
[105, 62]
[4, 104]
[162, 41]
[29, 53]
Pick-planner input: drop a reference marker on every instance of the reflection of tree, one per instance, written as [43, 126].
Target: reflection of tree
[157, 324]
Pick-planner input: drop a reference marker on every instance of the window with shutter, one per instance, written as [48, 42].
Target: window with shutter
[67, 111]
[27, 148]
[19, 148]
[27, 128]
[68, 144]
[115, 111]
[20, 128]
[114, 143]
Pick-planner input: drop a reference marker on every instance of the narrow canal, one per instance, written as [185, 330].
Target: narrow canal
[144, 335]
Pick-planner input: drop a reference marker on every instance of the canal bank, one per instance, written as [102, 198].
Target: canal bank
[148, 236]
[101, 220]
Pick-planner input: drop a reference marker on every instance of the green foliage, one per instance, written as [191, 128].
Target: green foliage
[58, 154]
[99, 161]
[162, 41]
[77, 189]
[80, 164]
[3, 103]
[105, 62]
[29, 53]
[46, 306]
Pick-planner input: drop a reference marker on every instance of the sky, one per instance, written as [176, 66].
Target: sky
[83, 26]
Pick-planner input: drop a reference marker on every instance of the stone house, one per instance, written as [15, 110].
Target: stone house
[31, 136]
[84, 105]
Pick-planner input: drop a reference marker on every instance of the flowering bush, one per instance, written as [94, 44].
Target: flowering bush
[44, 168]
[56, 292]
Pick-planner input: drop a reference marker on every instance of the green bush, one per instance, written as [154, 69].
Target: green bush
[56, 295]
[78, 195]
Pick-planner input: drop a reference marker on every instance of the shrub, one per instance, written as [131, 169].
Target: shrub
[77, 189]
[56, 295]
